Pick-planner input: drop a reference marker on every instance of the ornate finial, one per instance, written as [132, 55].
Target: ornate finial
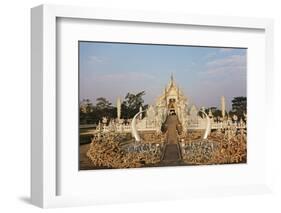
[172, 80]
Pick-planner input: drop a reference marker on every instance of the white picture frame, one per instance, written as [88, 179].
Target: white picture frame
[44, 148]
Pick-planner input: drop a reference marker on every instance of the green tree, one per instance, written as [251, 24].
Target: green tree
[132, 103]
[102, 109]
[86, 108]
[102, 103]
[215, 111]
[239, 106]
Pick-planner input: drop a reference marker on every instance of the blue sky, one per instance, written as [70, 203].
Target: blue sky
[203, 73]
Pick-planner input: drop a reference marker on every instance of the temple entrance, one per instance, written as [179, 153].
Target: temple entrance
[172, 106]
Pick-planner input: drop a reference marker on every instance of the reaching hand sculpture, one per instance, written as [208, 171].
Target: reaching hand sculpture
[208, 126]
[135, 133]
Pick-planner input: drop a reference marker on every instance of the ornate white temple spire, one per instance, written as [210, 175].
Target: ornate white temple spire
[172, 78]
[118, 105]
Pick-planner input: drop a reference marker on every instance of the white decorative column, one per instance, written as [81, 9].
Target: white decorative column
[118, 105]
[140, 110]
[223, 106]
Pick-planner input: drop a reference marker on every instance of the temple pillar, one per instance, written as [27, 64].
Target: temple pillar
[223, 106]
[118, 105]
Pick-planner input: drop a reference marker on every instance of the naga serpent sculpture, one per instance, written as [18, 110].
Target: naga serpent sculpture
[136, 135]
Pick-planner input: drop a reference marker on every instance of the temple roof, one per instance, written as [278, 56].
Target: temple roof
[172, 90]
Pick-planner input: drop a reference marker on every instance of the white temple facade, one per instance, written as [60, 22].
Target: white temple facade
[171, 101]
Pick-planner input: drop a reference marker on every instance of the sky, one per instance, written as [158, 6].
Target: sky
[204, 74]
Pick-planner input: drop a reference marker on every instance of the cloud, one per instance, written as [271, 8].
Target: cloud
[95, 59]
[210, 55]
[227, 65]
[124, 77]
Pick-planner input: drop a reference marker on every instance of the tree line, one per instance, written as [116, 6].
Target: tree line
[92, 114]
[239, 108]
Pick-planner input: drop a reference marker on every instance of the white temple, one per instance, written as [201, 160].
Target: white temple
[172, 101]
